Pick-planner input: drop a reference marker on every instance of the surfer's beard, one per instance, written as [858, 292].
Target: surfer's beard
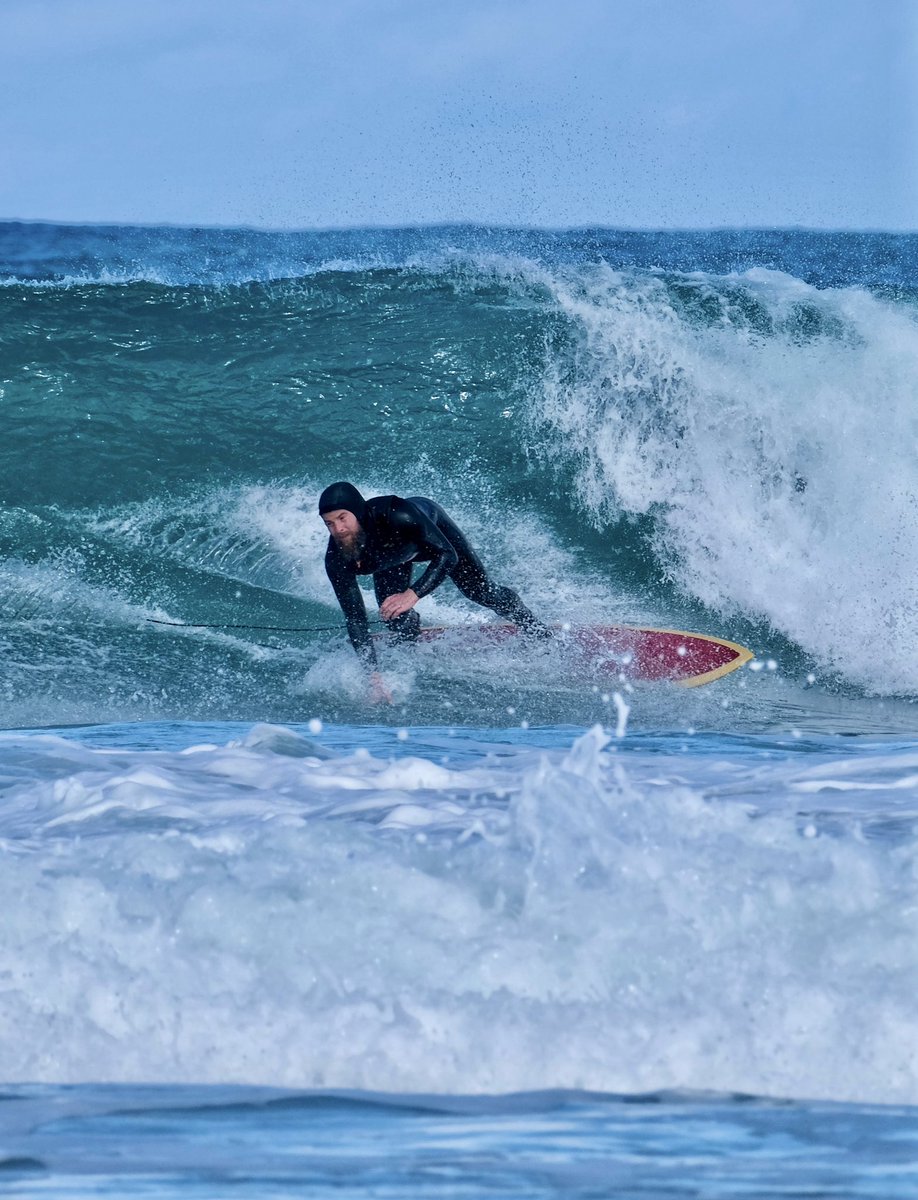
[351, 547]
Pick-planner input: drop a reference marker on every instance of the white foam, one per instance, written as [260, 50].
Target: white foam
[263, 913]
[773, 444]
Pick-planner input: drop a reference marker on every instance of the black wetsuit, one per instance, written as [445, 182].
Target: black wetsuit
[399, 533]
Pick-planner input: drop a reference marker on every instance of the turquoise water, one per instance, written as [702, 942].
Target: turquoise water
[525, 930]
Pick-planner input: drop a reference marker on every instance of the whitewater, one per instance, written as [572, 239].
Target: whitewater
[536, 928]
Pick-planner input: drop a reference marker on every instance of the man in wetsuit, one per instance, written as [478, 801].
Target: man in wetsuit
[384, 537]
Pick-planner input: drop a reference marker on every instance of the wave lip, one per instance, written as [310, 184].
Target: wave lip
[42, 252]
[762, 428]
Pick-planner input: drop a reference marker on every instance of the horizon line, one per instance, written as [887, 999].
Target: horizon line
[418, 226]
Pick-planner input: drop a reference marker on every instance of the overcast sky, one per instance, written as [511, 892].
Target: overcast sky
[297, 113]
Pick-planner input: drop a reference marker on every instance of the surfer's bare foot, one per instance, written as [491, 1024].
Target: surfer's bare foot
[379, 690]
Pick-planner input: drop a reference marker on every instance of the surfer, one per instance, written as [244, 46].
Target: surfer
[384, 537]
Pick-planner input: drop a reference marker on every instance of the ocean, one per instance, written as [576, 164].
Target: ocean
[530, 929]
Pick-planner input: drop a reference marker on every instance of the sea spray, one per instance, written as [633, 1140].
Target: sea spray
[707, 431]
[764, 428]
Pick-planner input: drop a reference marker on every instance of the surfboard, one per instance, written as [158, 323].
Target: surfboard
[623, 651]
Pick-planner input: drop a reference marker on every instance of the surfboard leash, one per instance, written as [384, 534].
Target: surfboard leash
[263, 628]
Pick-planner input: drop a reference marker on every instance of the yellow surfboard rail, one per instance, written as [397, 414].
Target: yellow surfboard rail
[743, 654]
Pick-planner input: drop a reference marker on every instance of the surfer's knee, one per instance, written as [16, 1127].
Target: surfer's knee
[510, 606]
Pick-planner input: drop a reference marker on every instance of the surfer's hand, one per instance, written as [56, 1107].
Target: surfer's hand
[394, 606]
[379, 690]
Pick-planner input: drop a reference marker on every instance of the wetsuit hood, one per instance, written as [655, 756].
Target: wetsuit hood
[342, 495]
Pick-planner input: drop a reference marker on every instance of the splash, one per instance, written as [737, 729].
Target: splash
[649, 429]
[765, 428]
[268, 911]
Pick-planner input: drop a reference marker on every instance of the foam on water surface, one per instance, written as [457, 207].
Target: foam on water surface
[282, 910]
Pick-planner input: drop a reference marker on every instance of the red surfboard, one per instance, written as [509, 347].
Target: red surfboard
[689, 659]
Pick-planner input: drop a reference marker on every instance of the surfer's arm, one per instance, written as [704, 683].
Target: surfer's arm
[344, 582]
[414, 526]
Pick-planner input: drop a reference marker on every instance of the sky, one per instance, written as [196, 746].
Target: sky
[558, 113]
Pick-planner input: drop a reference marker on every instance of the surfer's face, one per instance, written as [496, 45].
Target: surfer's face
[345, 529]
